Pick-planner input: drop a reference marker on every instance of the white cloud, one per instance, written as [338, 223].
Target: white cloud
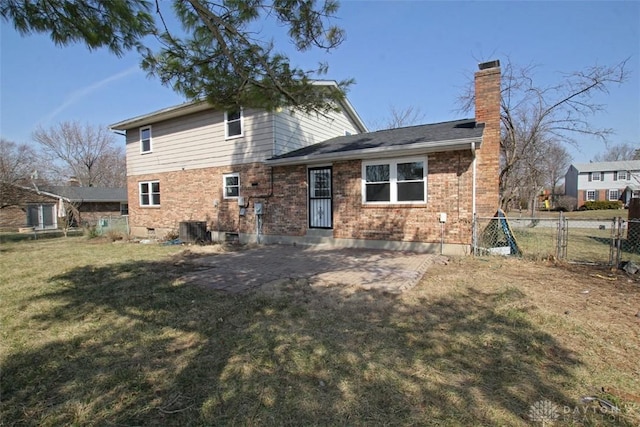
[79, 94]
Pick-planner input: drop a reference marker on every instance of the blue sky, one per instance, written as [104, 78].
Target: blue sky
[401, 53]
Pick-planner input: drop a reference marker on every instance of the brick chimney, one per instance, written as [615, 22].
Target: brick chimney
[487, 96]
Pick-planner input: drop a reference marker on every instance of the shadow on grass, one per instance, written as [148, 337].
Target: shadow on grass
[132, 345]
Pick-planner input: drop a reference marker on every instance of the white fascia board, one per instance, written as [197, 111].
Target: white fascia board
[161, 115]
[375, 153]
[353, 114]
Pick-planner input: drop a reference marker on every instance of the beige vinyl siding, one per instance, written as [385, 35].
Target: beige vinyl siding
[297, 130]
[197, 141]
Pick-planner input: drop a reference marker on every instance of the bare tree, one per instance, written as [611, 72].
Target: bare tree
[532, 116]
[18, 165]
[16, 162]
[88, 153]
[400, 117]
[555, 163]
[617, 152]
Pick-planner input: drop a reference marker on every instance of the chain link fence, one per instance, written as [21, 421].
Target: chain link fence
[113, 224]
[530, 237]
[602, 241]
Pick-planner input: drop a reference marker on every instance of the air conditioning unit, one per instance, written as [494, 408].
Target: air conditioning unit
[193, 232]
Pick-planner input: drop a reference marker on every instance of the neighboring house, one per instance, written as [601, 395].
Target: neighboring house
[603, 181]
[290, 177]
[44, 207]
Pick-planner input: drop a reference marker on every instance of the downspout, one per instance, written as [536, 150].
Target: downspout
[473, 200]
[473, 190]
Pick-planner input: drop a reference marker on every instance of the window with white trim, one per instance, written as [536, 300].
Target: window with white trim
[623, 175]
[395, 181]
[149, 193]
[614, 194]
[591, 195]
[145, 139]
[233, 124]
[231, 183]
[595, 176]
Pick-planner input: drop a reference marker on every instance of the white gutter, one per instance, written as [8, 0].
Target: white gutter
[369, 153]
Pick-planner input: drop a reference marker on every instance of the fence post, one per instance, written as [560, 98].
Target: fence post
[619, 243]
[561, 241]
[612, 244]
[616, 242]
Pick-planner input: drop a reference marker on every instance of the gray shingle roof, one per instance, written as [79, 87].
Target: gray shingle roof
[90, 194]
[399, 138]
[623, 165]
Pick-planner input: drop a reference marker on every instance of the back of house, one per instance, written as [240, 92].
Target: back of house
[289, 177]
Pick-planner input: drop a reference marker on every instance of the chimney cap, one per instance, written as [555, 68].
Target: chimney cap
[490, 64]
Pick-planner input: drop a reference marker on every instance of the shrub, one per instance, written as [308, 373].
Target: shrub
[602, 204]
[566, 204]
[91, 231]
[171, 235]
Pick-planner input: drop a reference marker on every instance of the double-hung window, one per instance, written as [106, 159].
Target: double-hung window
[145, 139]
[150, 193]
[394, 181]
[614, 194]
[591, 195]
[233, 124]
[231, 184]
[595, 176]
[623, 175]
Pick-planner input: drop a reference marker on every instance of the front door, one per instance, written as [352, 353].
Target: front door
[320, 203]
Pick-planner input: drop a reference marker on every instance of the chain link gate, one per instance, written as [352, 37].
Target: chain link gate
[625, 241]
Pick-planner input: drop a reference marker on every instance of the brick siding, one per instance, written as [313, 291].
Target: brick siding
[190, 195]
[487, 104]
[197, 195]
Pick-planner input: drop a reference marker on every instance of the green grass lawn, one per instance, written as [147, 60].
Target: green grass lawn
[95, 333]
